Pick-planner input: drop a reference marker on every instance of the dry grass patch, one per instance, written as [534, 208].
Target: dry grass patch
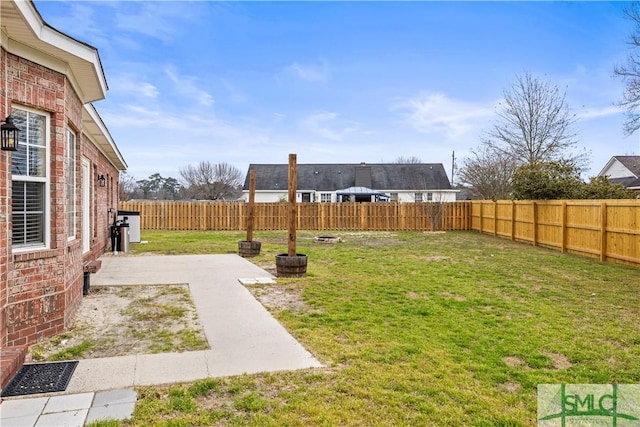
[280, 297]
[123, 320]
[559, 361]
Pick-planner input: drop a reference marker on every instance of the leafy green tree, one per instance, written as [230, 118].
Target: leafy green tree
[159, 188]
[558, 180]
[601, 187]
[547, 181]
[170, 188]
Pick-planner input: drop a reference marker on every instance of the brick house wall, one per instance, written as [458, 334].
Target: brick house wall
[41, 287]
[44, 287]
[5, 169]
[105, 199]
[52, 78]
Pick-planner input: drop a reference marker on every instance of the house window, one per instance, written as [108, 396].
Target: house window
[394, 197]
[429, 197]
[30, 175]
[71, 185]
[325, 197]
[418, 197]
[306, 197]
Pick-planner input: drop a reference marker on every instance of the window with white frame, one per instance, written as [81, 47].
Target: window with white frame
[71, 185]
[418, 197]
[30, 175]
[429, 197]
[325, 197]
[394, 197]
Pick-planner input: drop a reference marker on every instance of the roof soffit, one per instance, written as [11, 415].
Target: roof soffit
[27, 35]
[95, 129]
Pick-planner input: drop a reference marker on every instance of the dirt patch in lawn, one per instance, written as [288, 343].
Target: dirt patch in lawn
[280, 297]
[124, 320]
[559, 361]
[511, 387]
[514, 361]
[451, 296]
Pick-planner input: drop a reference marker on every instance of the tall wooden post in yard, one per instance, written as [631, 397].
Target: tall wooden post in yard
[293, 185]
[248, 248]
[252, 203]
[291, 264]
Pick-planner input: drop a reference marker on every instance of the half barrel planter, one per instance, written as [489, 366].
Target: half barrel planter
[248, 249]
[291, 266]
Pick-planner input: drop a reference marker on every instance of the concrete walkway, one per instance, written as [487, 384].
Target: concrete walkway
[243, 336]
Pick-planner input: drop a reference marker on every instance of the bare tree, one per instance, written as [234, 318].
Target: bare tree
[434, 210]
[411, 159]
[127, 187]
[212, 181]
[630, 74]
[534, 124]
[488, 174]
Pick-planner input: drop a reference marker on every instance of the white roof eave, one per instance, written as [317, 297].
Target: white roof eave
[96, 130]
[31, 31]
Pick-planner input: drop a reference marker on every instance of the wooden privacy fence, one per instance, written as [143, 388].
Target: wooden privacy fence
[170, 215]
[604, 229]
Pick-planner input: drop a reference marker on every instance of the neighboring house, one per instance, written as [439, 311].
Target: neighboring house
[59, 190]
[623, 170]
[381, 182]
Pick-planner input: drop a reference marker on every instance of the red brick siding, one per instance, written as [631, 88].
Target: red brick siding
[5, 157]
[100, 217]
[40, 291]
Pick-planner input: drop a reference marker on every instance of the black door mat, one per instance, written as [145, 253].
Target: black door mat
[40, 378]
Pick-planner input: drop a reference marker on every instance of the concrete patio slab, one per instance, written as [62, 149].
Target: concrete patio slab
[106, 373]
[243, 336]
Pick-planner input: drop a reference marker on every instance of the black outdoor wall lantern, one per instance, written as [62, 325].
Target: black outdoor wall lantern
[9, 135]
[101, 181]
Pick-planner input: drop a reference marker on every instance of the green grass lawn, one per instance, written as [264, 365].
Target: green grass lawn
[453, 329]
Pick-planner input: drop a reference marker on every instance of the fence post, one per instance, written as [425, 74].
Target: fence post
[513, 220]
[495, 218]
[535, 223]
[603, 231]
[563, 244]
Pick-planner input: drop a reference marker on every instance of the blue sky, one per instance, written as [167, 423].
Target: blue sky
[250, 82]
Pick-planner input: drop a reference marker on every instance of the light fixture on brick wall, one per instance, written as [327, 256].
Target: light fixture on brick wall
[9, 135]
[102, 181]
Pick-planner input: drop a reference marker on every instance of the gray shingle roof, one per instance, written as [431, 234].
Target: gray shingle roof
[338, 176]
[631, 162]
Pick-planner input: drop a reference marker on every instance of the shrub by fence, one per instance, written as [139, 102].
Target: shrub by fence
[605, 229]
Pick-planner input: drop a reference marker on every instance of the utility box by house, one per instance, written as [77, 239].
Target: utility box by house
[133, 219]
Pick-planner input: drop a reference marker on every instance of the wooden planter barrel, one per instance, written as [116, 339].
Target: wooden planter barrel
[291, 266]
[248, 249]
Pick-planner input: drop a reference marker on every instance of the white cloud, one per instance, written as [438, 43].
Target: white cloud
[86, 14]
[308, 72]
[186, 85]
[233, 94]
[437, 113]
[148, 19]
[131, 85]
[598, 112]
[328, 125]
